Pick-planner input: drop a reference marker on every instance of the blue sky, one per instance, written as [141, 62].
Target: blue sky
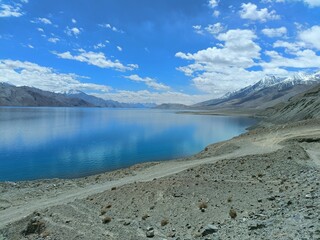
[183, 51]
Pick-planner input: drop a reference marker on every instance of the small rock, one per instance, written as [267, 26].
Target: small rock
[232, 213]
[150, 232]
[209, 229]
[256, 226]
[272, 198]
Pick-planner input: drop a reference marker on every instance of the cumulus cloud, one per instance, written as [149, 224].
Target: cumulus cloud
[250, 11]
[198, 29]
[311, 36]
[44, 21]
[216, 13]
[214, 28]
[99, 45]
[7, 10]
[73, 31]
[213, 3]
[289, 46]
[150, 82]
[312, 3]
[33, 75]
[145, 96]
[214, 69]
[211, 28]
[302, 59]
[275, 32]
[96, 59]
[53, 40]
[113, 28]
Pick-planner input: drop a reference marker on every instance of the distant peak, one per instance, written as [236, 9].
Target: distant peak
[72, 92]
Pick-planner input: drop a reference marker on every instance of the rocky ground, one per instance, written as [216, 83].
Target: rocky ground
[261, 185]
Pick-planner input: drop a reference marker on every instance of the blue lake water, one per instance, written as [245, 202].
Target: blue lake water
[73, 142]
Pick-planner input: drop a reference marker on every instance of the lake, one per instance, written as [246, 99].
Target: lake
[38, 143]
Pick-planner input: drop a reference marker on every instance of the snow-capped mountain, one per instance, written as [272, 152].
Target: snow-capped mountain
[280, 82]
[265, 92]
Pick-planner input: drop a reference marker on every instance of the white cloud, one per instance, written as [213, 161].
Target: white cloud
[24, 1]
[146, 96]
[214, 28]
[113, 28]
[213, 3]
[119, 48]
[275, 32]
[150, 82]
[250, 11]
[7, 10]
[54, 40]
[44, 21]
[40, 29]
[73, 31]
[216, 13]
[311, 36]
[302, 59]
[99, 45]
[96, 59]
[290, 47]
[312, 3]
[218, 69]
[30, 74]
[73, 21]
[30, 46]
[198, 29]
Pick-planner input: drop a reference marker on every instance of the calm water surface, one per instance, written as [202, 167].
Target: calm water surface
[73, 142]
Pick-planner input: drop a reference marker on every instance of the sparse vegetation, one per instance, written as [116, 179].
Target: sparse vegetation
[164, 222]
[35, 226]
[106, 220]
[203, 205]
[232, 213]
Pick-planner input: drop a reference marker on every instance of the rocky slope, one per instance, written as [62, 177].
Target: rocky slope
[265, 93]
[300, 107]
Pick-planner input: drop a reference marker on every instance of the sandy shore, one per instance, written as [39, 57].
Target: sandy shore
[263, 184]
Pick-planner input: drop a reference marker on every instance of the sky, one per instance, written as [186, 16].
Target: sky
[156, 51]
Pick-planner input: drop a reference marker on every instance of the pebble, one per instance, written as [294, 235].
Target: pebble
[209, 229]
[150, 232]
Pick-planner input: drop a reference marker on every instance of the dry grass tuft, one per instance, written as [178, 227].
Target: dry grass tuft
[164, 222]
[203, 205]
[106, 220]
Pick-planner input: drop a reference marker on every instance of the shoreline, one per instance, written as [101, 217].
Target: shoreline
[20, 200]
[79, 177]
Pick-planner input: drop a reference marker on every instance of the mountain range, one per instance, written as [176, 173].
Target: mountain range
[28, 96]
[267, 92]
